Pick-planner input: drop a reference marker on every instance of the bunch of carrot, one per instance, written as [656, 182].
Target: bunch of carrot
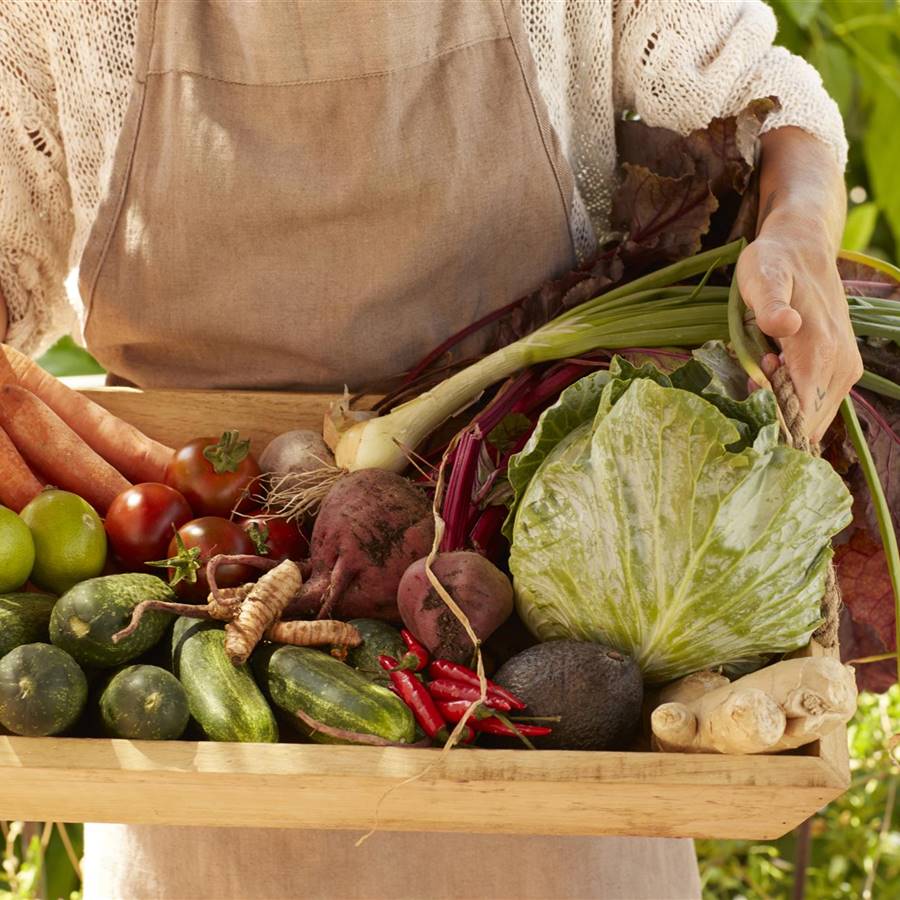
[52, 434]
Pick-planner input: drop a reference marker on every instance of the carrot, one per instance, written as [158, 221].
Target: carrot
[122, 445]
[17, 482]
[51, 447]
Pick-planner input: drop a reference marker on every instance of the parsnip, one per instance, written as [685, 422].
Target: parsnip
[780, 707]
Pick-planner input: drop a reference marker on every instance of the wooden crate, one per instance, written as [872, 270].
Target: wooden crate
[320, 786]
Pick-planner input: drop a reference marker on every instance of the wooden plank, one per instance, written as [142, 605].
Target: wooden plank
[175, 417]
[310, 786]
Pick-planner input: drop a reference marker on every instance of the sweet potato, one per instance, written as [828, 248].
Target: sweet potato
[372, 524]
[480, 590]
[120, 444]
[54, 450]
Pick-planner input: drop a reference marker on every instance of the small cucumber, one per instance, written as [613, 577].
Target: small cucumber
[379, 639]
[222, 697]
[329, 691]
[24, 619]
[144, 703]
[42, 690]
[87, 616]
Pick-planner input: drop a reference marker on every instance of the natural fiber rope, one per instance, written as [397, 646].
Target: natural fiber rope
[787, 398]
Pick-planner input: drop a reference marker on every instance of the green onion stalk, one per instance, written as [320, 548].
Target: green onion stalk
[654, 311]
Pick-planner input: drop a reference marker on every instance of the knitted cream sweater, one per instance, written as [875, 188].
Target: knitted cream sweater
[65, 77]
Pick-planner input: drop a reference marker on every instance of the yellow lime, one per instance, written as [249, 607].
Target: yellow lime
[69, 540]
[16, 551]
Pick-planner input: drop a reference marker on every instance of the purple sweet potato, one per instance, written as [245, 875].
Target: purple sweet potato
[480, 589]
[371, 525]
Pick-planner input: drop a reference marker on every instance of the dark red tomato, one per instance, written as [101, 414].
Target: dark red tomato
[141, 521]
[214, 474]
[212, 535]
[276, 538]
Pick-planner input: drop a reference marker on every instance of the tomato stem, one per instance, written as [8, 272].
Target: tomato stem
[228, 453]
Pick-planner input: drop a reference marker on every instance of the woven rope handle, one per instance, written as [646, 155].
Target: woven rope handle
[796, 426]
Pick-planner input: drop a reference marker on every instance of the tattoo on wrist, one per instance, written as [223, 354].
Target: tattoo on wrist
[820, 398]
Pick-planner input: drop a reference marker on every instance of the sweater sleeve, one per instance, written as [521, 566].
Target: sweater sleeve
[36, 222]
[679, 63]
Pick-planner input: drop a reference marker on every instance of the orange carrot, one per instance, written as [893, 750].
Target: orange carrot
[17, 482]
[122, 445]
[51, 447]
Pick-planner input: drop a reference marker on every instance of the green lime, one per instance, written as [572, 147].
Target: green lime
[16, 551]
[69, 540]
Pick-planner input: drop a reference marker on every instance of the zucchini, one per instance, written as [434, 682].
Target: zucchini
[42, 690]
[379, 639]
[24, 619]
[329, 691]
[144, 703]
[87, 616]
[223, 698]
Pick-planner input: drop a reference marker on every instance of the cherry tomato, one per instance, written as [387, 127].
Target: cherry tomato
[191, 549]
[276, 538]
[141, 521]
[214, 474]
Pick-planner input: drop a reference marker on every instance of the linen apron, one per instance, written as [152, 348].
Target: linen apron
[313, 194]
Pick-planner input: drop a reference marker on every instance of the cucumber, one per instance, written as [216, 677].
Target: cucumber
[334, 694]
[223, 698]
[86, 617]
[379, 639]
[24, 619]
[42, 690]
[144, 703]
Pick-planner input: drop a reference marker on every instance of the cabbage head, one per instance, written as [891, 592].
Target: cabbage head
[665, 525]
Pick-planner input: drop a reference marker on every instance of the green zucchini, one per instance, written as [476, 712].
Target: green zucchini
[329, 691]
[379, 639]
[87, 616]
[42, 690]
[24, 619]
[223, 698]
[144, 703]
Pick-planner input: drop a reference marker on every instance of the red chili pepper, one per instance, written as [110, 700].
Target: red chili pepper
[415, 695]
[444, 689]
[493, 725]
[454, 710]
[388, 663]
[443, 668]
[418, 656]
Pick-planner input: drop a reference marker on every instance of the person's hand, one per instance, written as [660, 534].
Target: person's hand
[789, 278]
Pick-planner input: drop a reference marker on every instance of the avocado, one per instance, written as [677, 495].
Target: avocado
[596, 690]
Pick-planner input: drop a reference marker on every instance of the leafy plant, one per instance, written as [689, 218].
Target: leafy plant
[855, 45]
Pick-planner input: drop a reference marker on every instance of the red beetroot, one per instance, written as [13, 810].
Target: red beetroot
[480, 589]
[371, 525]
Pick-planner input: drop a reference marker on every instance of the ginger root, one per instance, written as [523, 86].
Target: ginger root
[252, 612]
[780, 707]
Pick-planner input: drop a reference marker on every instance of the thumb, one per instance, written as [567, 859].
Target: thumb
[766, 289]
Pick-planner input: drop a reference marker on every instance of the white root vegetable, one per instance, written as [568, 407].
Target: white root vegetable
[299, 470]
[302, 450]
[780, 707]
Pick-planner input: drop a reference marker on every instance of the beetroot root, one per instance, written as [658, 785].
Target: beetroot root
[480, 590]
[371, 525]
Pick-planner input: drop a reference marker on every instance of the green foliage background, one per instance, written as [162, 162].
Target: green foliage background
[855, 848]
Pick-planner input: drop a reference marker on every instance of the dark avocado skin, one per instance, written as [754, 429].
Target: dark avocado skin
[596, 690]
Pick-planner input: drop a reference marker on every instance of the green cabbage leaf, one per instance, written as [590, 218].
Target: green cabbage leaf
[673, 525]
